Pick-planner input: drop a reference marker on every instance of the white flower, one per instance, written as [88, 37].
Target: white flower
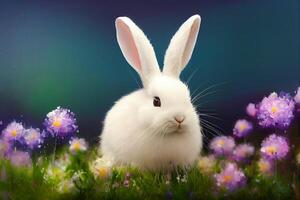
[207, 163]
[63, 161]
[298, 159]
[57, 170]
[77, 175]
[101, 167]
[54, 173]
[65, 186]
[77, 145]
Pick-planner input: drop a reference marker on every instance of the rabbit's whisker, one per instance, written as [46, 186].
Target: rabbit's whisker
[191, 76]
[210, 129]
[144, 134]
[207, 110]
[135, 79]
[199, 96]
[210, 116]
[211, 132]
[215, 129]
[212, 124]
[200, 105]
[158, 131]
[205, 141]
[204, 90]
[198, 88]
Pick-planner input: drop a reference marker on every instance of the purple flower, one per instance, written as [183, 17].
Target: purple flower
[297, 99]
[242, 152]
[230, 177]
[33, 138]
[5, 148]
[274, 147]
[127, 175]
[60, 122]
[126, 183]
[20, 159]
[77, 145]
[265, 166]
[242, 128]
[222, 145]
[251, 109]
[13, 132]
[276, 111]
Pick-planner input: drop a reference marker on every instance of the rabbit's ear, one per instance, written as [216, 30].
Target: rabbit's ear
[137, 49]
[181, 47]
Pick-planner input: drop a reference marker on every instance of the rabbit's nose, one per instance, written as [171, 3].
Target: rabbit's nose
[179, 119]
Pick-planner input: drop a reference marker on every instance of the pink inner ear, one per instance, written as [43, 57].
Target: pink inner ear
[128, 45]
[190, 44]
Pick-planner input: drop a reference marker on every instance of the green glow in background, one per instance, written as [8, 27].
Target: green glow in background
[65, 54]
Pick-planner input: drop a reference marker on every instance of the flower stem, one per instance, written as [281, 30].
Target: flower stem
[54, 150]
[276, 168]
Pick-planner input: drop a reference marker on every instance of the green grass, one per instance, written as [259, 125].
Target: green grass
[33, 183]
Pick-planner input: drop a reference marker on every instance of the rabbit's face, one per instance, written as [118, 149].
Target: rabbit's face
[168, 107]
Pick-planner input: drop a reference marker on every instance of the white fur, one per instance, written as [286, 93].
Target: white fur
[139, 54]
[136, 132]
[181, 46]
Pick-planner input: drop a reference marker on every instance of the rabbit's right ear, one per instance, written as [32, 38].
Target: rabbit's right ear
[181, 47]
[136, 49]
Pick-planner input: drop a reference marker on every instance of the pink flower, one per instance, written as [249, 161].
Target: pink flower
[222, 145]
[251, 109]
[297, 96]
[242, 152]
[230, 178]
[275, 147]
[33, 138]
[242, 128]
[77, 145]
[297, 99]
[20, 159]
[276, 111]
[13, 132]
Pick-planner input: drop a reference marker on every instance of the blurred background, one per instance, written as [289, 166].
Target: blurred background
[64, 53]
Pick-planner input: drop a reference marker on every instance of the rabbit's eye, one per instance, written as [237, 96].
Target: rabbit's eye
[156, 102]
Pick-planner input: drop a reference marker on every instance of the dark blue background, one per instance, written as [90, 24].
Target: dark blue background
[64, 53]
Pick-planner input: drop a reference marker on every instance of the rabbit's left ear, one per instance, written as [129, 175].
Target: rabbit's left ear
[181, 47]
[136, 49]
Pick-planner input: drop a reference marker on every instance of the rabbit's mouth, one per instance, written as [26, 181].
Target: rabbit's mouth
[179, 127]
[175, 128]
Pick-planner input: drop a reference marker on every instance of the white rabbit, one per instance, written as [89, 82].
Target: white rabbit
[156, 127]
